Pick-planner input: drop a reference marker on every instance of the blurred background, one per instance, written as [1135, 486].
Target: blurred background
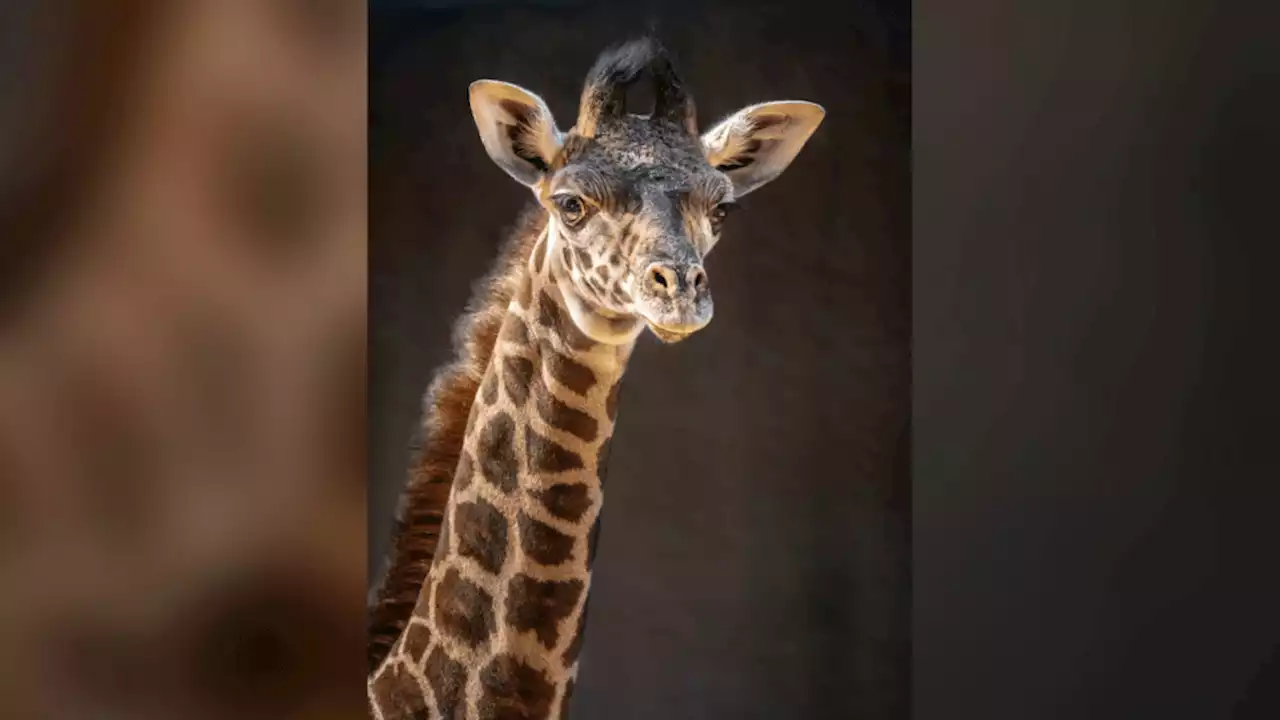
[182, 358]
[754, 552]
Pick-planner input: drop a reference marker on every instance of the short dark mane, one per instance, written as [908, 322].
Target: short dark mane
[438, 441]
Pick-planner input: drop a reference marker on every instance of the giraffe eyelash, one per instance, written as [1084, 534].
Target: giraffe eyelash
[721, 211]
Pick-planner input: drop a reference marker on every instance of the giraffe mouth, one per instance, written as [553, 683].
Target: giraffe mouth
[672, 333]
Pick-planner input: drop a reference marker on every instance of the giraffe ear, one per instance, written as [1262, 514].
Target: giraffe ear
[755, 144]
[516, 127]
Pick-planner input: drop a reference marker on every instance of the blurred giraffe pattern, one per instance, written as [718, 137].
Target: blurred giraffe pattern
[182, 355]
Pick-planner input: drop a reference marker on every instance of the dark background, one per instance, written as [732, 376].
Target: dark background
[1095, 476]
[754, 558]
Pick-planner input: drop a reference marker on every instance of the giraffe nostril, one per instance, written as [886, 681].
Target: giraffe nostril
[659, 277]
[699, 278]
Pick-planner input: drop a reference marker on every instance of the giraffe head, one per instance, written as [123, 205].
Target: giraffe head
[636, 202]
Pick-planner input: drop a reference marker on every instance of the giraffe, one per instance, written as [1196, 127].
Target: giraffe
[626, 208]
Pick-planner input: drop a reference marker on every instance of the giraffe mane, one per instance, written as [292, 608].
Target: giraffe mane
[437, 443]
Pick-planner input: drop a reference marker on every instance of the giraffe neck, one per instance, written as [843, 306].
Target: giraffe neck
[499, 621]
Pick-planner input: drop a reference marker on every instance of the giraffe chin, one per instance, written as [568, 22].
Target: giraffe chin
[669, 336]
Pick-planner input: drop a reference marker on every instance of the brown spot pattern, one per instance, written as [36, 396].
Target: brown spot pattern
[511, 690]
[567, 501]
[577, 377]
[548, 456]
[416, 639]
[548, 311]
[596, 287]
[543, 543]
[398, 693]
[497, 453]
[538, 606]
[448, 681]
[482, 534]
[515, 331]
[463, 609]
[561, 416]
[516, 374]
[551, 316]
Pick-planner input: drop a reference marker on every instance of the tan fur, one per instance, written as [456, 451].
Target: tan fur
[439, 443]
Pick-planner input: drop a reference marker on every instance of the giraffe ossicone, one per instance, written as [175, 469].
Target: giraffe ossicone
[627, 208]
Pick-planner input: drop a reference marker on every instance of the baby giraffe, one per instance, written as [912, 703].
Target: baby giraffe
[481, 614]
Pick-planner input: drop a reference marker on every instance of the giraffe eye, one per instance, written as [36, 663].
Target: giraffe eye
[572, 209]
[720, 212]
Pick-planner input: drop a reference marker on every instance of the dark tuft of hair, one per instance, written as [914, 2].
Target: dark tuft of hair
[621, 66]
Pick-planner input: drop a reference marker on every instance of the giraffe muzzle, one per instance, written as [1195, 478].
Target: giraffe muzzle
[675, 300]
